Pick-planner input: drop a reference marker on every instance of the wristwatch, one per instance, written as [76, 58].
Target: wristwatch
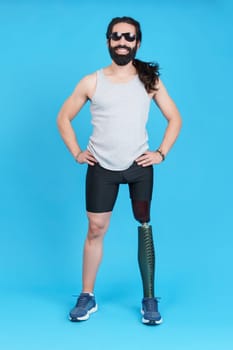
[161, 153]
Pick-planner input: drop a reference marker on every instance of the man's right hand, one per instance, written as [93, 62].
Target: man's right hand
[86, 157]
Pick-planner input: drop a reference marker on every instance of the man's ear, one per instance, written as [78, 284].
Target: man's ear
[138, 45]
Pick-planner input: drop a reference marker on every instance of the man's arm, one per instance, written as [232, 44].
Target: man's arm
[71, 107]
[171, 113]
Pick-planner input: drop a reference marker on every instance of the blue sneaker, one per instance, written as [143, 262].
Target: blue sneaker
[85, 306]
[151, 315]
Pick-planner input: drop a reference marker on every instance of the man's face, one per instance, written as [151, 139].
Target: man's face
[123, 48]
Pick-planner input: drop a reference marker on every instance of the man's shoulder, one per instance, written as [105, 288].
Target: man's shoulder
[89, 77]
[87, 84]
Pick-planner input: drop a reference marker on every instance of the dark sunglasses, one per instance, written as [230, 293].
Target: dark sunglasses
[116, 36]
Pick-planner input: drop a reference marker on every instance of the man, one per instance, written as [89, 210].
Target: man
[118, 153]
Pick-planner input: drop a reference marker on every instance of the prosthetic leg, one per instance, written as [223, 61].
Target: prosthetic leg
[146, 253]
[146, 261]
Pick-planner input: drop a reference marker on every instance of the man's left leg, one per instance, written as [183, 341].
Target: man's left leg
[146, 261]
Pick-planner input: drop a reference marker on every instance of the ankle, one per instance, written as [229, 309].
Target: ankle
[87, 291]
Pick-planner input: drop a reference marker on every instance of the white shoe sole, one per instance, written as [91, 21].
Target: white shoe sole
[152, 322]
[84, 318]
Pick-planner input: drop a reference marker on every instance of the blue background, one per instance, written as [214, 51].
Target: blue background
[46, 48]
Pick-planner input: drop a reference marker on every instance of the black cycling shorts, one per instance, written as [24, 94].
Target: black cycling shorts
[102, 186]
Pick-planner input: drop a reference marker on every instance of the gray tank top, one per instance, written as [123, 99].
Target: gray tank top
[119, 116]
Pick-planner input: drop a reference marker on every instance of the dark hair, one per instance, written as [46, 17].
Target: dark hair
[148, 72]
[128, 20]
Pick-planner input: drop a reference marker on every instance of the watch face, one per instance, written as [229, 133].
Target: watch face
[161, 153]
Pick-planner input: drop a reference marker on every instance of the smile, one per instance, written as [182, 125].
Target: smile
[122, 51]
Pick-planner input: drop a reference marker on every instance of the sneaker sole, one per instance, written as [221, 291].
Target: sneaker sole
[85, 317]
[151, 322]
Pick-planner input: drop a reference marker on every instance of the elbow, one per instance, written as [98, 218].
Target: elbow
[60, 122]
[180, 122]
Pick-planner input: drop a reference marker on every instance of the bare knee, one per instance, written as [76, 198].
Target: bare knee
[98, 225]
[96, 229]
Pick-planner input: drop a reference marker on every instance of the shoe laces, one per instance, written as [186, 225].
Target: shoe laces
[151, 304]
[82, 300]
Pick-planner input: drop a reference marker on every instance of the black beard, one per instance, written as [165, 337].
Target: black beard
[122, 60]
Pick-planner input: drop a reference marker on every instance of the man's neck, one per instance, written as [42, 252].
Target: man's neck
[121, 71]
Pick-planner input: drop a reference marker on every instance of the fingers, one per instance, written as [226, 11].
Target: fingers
[148, 158]
[141, 158]
[87, 157]
[145, 162]
[90, 159]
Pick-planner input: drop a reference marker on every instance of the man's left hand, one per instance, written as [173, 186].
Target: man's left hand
[149, 158]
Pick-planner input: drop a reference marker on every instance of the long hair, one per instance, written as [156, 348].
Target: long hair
[148, 72]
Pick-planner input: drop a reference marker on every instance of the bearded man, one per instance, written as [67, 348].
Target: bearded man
[118, 153]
